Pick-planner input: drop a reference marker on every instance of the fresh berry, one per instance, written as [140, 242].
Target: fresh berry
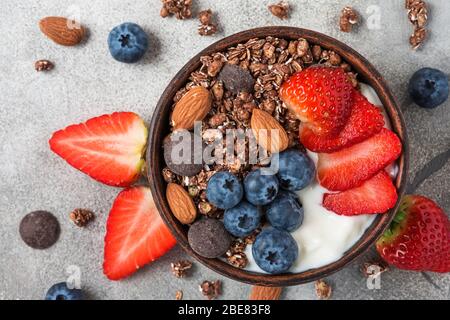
[365, 121]
[350, 167]
[242, 219]
[108, 148]
[429, 87]
[261, 187]
[127, 42]
[418, 238]
[60, 291]
[135, 233]
[319, 96]
[376, 195]
[285, 212]
[296, 170]
[209, 238]
[275, 250]
[224, 190]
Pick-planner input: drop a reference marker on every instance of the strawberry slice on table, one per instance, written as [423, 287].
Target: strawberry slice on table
[365, 121]
[350, 167]
[319, 96]
[135, 233]
[376, 195]
[418, 238]
[109, 148]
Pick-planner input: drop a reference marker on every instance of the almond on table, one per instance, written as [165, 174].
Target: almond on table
[62, 30]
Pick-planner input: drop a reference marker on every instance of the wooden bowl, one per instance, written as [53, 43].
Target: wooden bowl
[159, 128]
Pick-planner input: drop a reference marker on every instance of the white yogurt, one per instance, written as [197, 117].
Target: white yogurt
[324, 236]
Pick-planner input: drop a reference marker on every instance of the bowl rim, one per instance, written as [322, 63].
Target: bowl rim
[159, 125]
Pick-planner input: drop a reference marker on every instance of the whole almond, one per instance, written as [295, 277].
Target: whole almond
[192, 107]
[265, 293]
[268, 132]
[62, 30]
[181, 204]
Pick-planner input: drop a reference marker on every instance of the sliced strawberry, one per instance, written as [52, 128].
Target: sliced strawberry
[376, 195]
[320, 97]
[418, 237]
[350, 167]
[135, 234]
[365, 121]
[108, 148]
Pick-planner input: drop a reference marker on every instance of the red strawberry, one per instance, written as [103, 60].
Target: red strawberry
[319, 96]
[350, 167]
[135, 233]
[108, 148]
[418, 238]
[365, 121]
[376, 195]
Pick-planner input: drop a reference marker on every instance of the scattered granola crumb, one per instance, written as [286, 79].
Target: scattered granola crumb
[235, 255]
[81, 217]
[179, 295]
[374, 268]
[207, 27]
[323, 290]
[180, 8]
[43, 65]
[280, 9]
[418, 16]
[349, 17]
[181, 268]
[211, 290]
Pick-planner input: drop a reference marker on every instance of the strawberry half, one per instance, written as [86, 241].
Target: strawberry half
[418, 238]
[365, 121]
[135, 234]
[376, 195]
[350, 167]
[319, 96]
[108, 148]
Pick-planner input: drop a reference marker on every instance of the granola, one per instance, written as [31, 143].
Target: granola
[418, 16]
[81, 217]
[280, 9]
[207, 27]
[269, 62]
[211, 289]
[323, 290]
[349, 18]
[181, 268]
[180, 8]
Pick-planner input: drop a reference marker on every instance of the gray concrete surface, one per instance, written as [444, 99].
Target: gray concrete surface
[87, 82]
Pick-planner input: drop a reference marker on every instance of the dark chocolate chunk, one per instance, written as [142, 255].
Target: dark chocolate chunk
[208, 238]
[236, 79]
[39, 229]
[180, 154]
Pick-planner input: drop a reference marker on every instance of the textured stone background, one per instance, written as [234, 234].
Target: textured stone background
[87, 82]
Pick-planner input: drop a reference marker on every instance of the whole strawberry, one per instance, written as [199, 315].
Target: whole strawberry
[419, 237]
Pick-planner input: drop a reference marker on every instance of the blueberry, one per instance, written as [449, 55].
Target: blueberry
[275, 250]
[261, 187]
[428, 87]
[285, 212]
[60, 291]
[224, 190]
[127, 42]
[242, 219]
[296, 170]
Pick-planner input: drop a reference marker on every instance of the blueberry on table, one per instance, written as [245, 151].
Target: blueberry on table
[224, 190]
[275, 250]
[242, 219]
[285, 212]
[261, 187]
[127, 42]
[60, 291]
[429, 88]
[296, 170]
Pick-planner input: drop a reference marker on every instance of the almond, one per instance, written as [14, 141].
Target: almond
[192, 107]
[265, 293]
[181, 203]
[62, 30]
[268, 132]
